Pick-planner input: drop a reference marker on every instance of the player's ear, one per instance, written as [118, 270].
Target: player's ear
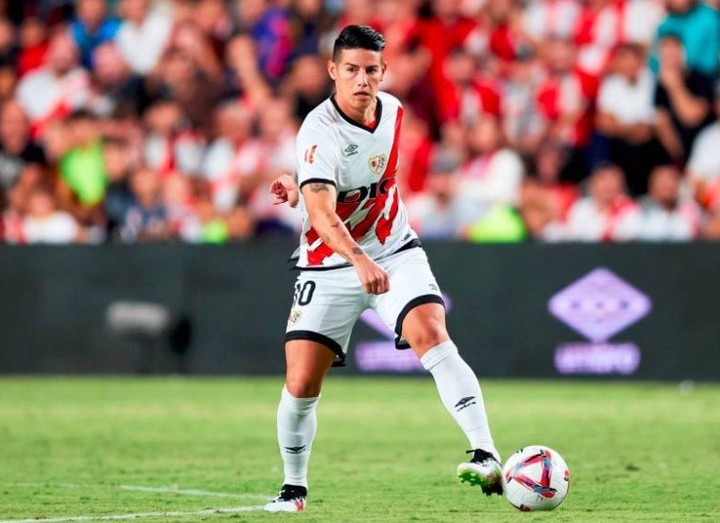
[382, 73]
[332, 69]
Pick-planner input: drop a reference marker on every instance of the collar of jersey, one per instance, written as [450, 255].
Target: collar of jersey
[378, 115]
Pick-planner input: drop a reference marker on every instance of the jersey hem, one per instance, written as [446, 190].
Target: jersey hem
[321, 339]
[400, 343]
[317, 180]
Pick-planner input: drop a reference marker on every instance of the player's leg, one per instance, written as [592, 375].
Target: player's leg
[424, 329]
[307, 363]
[414, 308]
[324, 311]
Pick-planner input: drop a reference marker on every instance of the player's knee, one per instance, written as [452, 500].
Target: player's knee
[302, 387]
[428, 336]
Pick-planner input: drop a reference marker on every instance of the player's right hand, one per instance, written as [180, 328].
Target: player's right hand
[284, 189]
[374, 279]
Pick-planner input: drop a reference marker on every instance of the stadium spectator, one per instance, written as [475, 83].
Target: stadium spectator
[441, 211]
[522, 122]
[45, 224]
[82, 165]
[56, 89]
[548, 19]
[626, 116]
[494, 172]
[276, 138]
[697, 26]
[231, 156]
[118, 162]
[683, 99]
[16, 148]
[703, 169]
[145, 218]
[33, 45]
[604, 213]
[91, 28]
[8, 42]
[465, 96]
[306, 85]
[114, 86]
[566, 100]
[143, 34]
[171, 143]
[663, 214]
[268, 25]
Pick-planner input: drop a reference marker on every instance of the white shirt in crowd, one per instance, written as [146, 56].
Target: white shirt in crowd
[59, 227]
[586, 222]
[434, 221]
[543, 19]
[142, 45]
[630, 103]
[493, 178]
[705, 156]
[656, 223]
[43, 95]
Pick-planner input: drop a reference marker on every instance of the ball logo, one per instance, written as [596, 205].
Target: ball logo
[377, 163]
[542, 487]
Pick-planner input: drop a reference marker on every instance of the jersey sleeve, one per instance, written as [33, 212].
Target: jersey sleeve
[317, 155]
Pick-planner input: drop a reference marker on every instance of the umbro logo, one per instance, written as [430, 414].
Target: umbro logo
[295, 450]
[464, 403]
[350, 150]
[435, 288]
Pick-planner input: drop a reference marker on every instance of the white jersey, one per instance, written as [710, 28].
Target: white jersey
[361, 162]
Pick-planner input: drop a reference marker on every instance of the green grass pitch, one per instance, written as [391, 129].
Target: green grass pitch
[386, 450]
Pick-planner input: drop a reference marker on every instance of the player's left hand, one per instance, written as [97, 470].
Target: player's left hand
[284, 189]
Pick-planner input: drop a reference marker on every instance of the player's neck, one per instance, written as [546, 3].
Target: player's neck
[366, 117]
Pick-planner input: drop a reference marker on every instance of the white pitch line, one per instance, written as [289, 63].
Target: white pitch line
[143, 488]
[137, 515]
[191, 492]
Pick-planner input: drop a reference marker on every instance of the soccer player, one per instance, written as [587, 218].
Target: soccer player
[358, 251]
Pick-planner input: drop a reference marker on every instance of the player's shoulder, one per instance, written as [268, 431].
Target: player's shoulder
[389, 101]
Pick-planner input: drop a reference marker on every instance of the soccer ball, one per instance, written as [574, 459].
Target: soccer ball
[535, 478]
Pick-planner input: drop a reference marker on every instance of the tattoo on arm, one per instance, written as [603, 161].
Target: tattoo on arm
[357, 250]
[317, 187]
[336, 225]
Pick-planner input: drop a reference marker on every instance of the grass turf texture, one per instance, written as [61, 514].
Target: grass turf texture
[386, 449]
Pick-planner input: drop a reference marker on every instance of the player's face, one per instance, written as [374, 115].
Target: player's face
[357, 75]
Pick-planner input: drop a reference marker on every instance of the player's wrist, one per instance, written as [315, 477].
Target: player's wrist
[357, 255]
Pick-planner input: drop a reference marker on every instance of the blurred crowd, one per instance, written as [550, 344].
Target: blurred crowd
[546, 120]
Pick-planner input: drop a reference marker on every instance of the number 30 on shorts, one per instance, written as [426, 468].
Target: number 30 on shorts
[303, 292]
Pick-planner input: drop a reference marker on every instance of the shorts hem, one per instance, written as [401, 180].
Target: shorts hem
[400, 343]
[321, 339]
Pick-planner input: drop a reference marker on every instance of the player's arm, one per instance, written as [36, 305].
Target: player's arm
[320, 201]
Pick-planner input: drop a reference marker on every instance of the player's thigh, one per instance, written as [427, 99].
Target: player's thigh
[415, 294]
[326, 305]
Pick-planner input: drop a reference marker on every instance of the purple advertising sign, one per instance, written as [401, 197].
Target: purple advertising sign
[381, 355]
[598, 306]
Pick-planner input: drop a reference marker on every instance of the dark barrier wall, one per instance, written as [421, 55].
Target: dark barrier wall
[644, 311]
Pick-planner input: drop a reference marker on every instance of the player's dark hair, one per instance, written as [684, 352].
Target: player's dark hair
[358, 37]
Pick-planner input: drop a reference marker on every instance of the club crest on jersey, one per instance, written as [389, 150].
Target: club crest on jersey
[294, 317]
[377, 163]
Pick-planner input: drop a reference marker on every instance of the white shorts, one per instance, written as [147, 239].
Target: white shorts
[327, 303]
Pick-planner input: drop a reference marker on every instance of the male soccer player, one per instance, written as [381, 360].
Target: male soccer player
[358, 251]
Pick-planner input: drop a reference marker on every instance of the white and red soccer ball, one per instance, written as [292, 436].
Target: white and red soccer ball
[535, 478]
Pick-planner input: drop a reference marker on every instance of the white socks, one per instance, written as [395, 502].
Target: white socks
[460, 393]
[296, 425]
